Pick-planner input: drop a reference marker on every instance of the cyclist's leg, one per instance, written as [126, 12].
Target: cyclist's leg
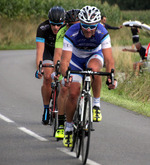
[46, 90]
[96, 63]
[61, 103]
[74, 91]
[71, 101]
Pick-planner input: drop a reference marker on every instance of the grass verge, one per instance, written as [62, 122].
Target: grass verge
[125, 102]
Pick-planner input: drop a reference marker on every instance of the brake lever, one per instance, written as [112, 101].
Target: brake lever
[40, 66]
[68, 74]
[112, 76]
[57, 68]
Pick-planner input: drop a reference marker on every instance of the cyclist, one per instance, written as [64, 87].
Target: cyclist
[85, 44]
[71, 18]
[45, 44]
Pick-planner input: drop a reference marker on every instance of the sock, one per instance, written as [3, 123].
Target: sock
[46, 106]
[96, 101]
[61, 119]
[69, 127]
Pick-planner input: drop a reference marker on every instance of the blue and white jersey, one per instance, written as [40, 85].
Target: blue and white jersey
[82, 47]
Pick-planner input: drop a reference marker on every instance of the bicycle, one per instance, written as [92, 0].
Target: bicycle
[55, 86]
[83, 118]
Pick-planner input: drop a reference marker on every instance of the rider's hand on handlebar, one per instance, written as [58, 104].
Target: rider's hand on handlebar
[66, 82]
[110, 85]
[38, 74]
[54, 76]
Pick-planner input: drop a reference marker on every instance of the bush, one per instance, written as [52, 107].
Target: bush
[38, 8]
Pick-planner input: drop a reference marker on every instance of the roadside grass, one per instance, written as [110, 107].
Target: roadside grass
[17, 34]
[133, 92]
[124, 101]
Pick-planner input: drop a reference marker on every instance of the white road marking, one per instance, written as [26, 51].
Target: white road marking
[29, 132]
[6, 119]
[67, 151]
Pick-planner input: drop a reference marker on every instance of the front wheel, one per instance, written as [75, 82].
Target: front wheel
[86, 129]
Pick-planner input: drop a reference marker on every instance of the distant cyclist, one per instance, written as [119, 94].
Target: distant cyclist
[45, 44]
[85, 44]
[71, 18]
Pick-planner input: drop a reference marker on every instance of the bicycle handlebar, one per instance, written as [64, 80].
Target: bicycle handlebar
[50, 66]
[90, 72]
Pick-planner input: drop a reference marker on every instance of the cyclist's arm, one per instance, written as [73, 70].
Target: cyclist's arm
[66, 55]
[57, 55]
[107, 52]
[109, 61]
[65, 60]
[39, 53]
[111, 27]
[59, 44]
[129, 50]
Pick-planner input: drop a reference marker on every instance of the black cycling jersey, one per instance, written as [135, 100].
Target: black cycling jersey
[142, 52]
[45, 34]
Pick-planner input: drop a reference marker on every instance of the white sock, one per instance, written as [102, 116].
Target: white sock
[96, 101]
[69, 127]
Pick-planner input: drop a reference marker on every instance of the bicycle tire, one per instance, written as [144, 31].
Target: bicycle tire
[50, 110]
[86, 128]
[54, 112]
[75, 121]
[77, 131]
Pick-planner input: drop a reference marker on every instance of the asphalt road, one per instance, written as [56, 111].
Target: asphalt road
[122, 138]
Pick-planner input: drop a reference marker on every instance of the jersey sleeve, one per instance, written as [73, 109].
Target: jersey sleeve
[67, 44]
[59, 37]
[106, 42]
[40, 37]
[59, 41]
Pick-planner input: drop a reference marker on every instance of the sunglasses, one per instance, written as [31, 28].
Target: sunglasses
[56, 24]
[86, 26]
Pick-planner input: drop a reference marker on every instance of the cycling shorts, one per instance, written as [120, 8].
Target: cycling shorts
[77, 63]
[47, 62]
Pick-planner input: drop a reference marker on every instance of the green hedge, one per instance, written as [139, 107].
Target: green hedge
[39, 8]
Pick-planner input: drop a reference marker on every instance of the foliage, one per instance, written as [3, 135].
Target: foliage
[130, 4]
[38, 8]
[140, 15]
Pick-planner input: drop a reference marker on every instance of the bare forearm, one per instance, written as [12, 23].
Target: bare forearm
[65, 60]
[129, 50]
[110, 64]
[63, 67]
[39, 58]
[108, 58]
[39, 53]
[57, 55]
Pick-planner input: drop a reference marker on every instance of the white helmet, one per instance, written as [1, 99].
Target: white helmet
[89, 14]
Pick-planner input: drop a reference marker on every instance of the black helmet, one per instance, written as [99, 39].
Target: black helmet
[56, 14]
[72, 15]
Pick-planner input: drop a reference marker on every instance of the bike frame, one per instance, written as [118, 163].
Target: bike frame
[55, 89]
[84, 116]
